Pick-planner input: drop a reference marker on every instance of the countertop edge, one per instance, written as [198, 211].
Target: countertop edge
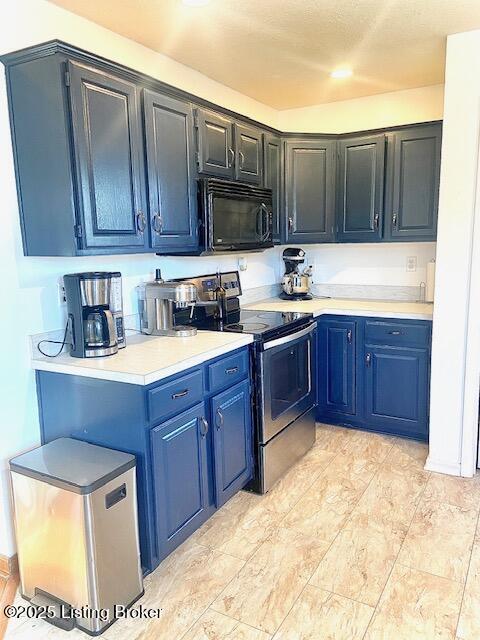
[365, 313]
[139, 379]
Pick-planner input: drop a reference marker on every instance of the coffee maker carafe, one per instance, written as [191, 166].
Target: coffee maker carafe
[91, 320]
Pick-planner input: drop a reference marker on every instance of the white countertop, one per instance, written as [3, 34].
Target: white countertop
[342, 306]
[147, 359]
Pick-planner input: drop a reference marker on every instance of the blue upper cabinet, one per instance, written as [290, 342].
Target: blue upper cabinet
[273, 179]
[180, 470]
[361, 170]
[413, 183]
[232, 429]
[171, 172]
[310, 190]
[336, 366]
[108, 160]
[98, 171]
[248, 154]
[215, 154]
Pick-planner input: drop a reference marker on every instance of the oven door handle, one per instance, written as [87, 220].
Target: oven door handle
[290, 338]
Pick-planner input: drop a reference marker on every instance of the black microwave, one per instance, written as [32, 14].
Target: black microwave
[234, 216]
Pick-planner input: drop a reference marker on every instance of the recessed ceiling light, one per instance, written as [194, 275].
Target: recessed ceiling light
[341, 73]
[195, 3]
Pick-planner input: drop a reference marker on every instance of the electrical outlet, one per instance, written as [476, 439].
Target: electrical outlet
[62, 300]
[411, 263]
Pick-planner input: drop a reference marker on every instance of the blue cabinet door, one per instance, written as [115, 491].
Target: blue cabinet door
[232, 427]
[396, 390]
[216, 155]
[248, 153]
[336, 371]
[108, 160]
[171, 172]
[361, 172]
[310, 190]
[273, 179]
[413, 184]
[180, 476]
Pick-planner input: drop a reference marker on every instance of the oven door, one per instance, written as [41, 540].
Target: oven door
[239, 222]
[287, 380]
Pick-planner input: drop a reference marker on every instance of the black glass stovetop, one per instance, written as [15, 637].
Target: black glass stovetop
[262, 325]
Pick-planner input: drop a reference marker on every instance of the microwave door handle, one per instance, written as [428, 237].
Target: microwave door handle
[259, 223]
[266, 217]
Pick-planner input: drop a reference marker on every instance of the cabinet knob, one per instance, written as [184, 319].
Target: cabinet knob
[395, 220]
[157, 223]
[349, 336]
[368, 359]
[376, 219]
[141, 222]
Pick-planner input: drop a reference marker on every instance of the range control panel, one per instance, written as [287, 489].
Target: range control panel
[206, 285]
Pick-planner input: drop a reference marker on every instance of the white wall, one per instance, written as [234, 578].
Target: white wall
[371, 112]
[29, 285]
[456, 300]
[369, 264]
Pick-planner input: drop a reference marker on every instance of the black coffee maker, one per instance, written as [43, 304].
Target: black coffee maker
[91, 320]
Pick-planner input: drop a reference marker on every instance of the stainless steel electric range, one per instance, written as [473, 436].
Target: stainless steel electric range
[283, 372]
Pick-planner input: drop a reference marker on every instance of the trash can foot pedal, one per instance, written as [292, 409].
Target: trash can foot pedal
[56, 611]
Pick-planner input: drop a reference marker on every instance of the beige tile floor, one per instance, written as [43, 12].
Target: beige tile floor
[356, 542]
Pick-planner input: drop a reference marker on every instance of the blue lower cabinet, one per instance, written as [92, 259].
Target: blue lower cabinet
[180, 476]
[374, 374]
[336, 367]
[232, 440]
[186, 464]
[396, 390]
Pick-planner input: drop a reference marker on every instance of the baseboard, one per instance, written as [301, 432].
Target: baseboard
[8, 565]
[443, 467]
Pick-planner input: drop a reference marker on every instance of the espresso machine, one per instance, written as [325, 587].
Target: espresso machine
[91, 321]
[295, 283]
[158, 302]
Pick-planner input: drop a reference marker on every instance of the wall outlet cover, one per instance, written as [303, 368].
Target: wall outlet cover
[411, 263]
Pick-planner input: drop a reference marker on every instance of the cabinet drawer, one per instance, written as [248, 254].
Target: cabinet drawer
[175, 396]
[397, 333]
[228, 371]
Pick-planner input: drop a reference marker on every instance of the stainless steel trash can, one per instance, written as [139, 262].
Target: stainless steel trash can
[77, 531]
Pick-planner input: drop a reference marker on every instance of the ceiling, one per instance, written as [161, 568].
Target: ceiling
[281, 52]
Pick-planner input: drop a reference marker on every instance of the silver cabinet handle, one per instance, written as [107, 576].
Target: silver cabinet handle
[395, 333]
[141, 222]
[231, 370]
[231, 157]
[203, 427]
[242, 159]
[368, 359]
[395, 220]
[290, 224]
[157, 223]
[376, 219]
[179, 394]
[349, 336]
[220, 419]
